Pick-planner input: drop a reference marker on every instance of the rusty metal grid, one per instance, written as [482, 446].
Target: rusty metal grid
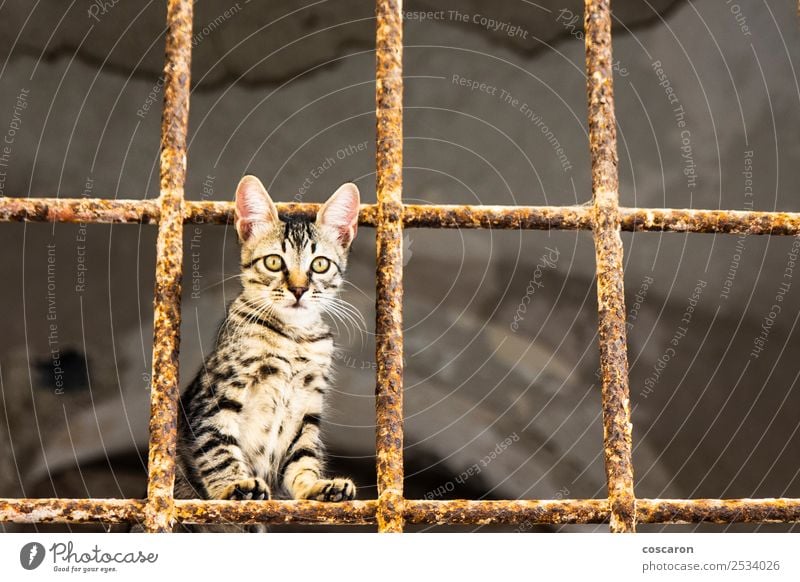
[390, 511]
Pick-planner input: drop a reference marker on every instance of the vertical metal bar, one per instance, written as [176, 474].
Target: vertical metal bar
[608, 252]
[169, 255]
[389, 233]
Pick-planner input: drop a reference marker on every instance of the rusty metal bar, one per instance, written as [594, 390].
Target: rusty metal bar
[169, 256]
[527, 512]
[717, 510]
[71, 510]
[608, 253]
[427, 215]
[389, 271]
[455, 512]
[101, 210]
[290, 511]
[78, 210]
[710, 221]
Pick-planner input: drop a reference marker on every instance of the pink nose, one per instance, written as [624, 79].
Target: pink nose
[298, 291]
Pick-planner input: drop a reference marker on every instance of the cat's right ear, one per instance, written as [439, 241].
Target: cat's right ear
[255, 211]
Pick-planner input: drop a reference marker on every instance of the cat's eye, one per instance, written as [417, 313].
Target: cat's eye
[273, 262]
[320, 265]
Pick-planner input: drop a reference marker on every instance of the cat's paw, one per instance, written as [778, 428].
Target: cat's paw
[331, 490]
[252, 488]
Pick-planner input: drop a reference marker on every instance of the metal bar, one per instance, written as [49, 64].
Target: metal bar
[455, 512]
[389, 237]
[308, 512]
[101, 210]
[608, 253]
[71, 510]
[717, 510]
[710, 221]
[78, 210]
[507, 512]
[169, 256]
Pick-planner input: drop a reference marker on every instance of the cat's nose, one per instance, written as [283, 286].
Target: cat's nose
[298, 291]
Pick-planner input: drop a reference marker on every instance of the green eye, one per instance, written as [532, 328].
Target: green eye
[320, 265]
[273, 262]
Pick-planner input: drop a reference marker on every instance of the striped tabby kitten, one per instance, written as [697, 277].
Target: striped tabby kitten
[249, 423]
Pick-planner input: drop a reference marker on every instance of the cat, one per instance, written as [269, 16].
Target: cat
[249, 423]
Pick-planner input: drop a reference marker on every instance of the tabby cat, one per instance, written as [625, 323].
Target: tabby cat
[249, 423]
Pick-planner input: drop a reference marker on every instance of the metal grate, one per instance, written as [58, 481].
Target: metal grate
[389, 216]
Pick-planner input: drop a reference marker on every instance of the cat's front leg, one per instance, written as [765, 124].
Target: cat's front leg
[301, 471]
[303, 481]
[337, 489]
[247, 488]
[223, 471]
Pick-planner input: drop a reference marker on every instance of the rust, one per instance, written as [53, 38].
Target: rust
[389, 236]
[718, 510]
[78, 210]
[527, 512]
[426, 215]
[308, 512]
[71, 510]
[711, 221]
[169, 255]
[608, 252]
[457, 512]
[101, 210]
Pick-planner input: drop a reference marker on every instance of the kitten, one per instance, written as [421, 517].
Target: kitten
[249, 422]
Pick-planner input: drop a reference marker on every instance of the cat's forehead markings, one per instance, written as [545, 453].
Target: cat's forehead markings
[298, 232]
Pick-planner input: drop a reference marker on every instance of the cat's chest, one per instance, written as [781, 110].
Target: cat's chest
[277, 400]
[282, 383]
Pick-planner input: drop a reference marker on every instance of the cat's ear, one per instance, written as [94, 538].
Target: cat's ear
[340, 212]
[255, 211]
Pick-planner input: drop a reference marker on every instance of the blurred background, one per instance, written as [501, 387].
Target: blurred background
[500, 326]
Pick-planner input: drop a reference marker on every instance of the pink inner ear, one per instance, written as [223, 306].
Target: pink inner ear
[254, 207]
[341, 212]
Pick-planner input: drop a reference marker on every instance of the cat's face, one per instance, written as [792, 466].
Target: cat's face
[293, 269]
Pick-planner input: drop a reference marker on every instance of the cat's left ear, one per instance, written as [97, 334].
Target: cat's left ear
[255, 210]
[340, 212]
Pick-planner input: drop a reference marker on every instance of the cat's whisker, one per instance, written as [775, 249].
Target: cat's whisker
[261, 308]
[353, 314]
[352, 309]
[336, 315]
[335, 321]
[346, 316]
[357, 288]
[221, 281]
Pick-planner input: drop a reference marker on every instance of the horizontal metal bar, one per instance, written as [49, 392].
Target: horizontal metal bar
[78, 210]
[416, 215]
[459, 511]
[72, 510]
[783, 510]
[288, 511]
[527, 512]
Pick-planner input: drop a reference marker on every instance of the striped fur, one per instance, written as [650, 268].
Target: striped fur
[250, 421]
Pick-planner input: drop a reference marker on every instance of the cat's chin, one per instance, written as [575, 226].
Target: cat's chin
[299, 315]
